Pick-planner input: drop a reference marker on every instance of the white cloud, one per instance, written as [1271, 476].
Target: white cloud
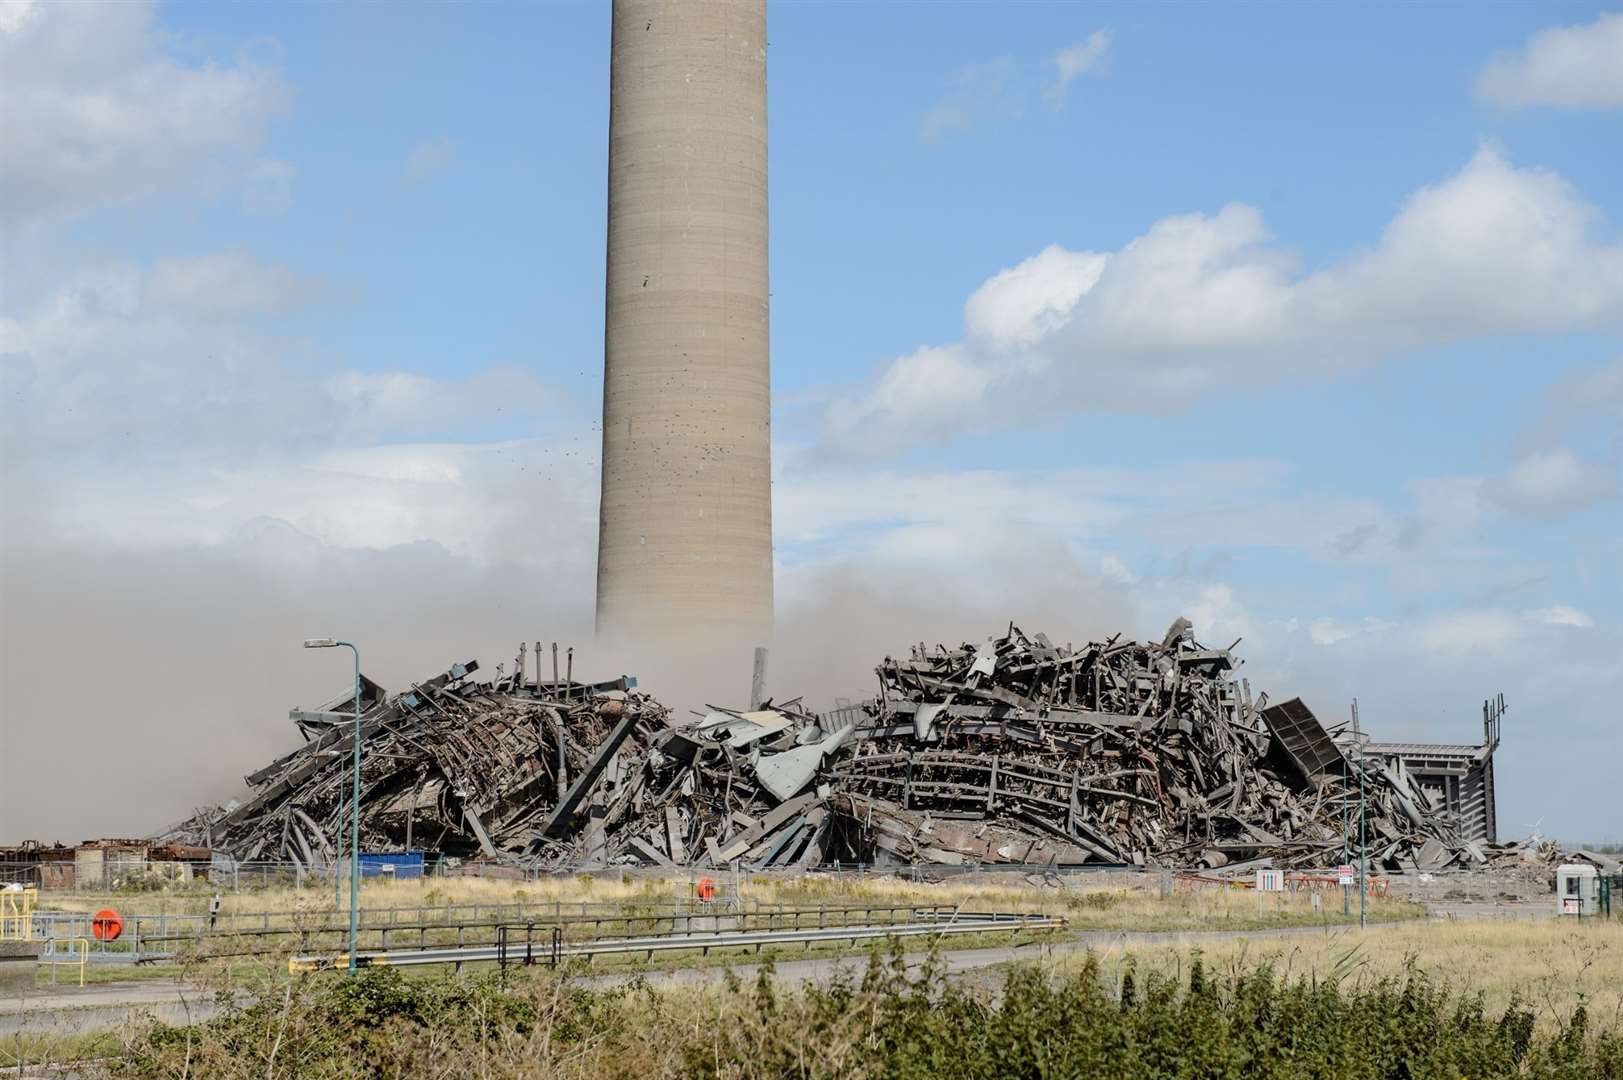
[230, 285]
[1112, 568]
[1202, 303]
[185, 359]
[1084, 57]
[1552, 482]
[1465, 632]
[96, 111]
[1562, 615]
[1021, 305]
[1326, 631]
[1568, 66]
[429, 158]
[982, 91]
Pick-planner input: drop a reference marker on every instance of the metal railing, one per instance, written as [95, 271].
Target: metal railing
[140, 877]
[67, 952]
[555, 947]
[428, 935]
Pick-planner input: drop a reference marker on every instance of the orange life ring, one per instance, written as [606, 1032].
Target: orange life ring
[107, 924]
[706, 889]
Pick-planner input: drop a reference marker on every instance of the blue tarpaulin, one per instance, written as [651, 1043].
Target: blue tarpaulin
[397, 864]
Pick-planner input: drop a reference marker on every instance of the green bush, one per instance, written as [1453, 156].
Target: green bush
[892, 1024]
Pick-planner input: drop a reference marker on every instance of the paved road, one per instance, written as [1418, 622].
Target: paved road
[103, 1006]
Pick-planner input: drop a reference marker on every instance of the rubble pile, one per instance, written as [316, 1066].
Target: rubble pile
[1014, 750]
[452, 765]
[1018, 750]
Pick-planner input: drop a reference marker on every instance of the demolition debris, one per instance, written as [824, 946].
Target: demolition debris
[1015, 750]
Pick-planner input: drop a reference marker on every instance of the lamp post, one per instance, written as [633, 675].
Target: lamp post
[1363, 849]
[355, 798]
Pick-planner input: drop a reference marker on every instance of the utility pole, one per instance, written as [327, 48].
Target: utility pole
[1346, 829]
[355, 801]
[1363, 851]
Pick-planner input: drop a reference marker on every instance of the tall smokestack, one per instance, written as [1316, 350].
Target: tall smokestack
[685, 522]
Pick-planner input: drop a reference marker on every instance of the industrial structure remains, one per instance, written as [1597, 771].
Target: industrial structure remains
[1016, 750]
[1456, 777]
[685, 521]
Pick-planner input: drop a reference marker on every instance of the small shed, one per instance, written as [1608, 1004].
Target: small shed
[1577, 889]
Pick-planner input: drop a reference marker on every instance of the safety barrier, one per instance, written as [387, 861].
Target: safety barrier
[69, 952]
[17, 913]
[555, 949]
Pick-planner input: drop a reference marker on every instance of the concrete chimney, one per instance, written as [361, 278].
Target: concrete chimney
[685, 522]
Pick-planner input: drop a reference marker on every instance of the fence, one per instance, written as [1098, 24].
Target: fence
[163, 937]
[131, 875]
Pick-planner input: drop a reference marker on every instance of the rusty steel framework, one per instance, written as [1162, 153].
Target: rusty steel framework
[1013, 750]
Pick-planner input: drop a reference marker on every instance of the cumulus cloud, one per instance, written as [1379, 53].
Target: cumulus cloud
[1552, 482]
[187, 354]
[429, 158]
[1565, 66]
[1205, 302]
[97, 110]
[1083, 58]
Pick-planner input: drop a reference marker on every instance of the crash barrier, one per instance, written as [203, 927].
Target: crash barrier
[426, 936]
[532, 942]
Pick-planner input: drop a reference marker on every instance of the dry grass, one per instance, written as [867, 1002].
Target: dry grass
[1127, 902]
[1551, 964]
[1039, 1022]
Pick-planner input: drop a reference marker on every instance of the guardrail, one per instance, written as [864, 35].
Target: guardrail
[556, 949]
[76, 954]
[149, 939]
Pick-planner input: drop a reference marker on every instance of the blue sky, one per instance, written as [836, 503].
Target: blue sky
[1305, 322]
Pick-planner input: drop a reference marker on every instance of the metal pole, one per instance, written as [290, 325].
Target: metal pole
[1346, 842]
[1363, 849]
[338, 862]
[355, 818]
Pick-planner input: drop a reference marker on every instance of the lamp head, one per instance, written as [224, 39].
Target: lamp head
[320, 642]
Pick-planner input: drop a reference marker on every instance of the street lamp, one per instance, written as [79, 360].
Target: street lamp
[355, 798]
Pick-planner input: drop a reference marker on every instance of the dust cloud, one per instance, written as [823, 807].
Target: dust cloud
[139, 685]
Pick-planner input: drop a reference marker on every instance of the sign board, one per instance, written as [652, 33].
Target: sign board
[1346, 875]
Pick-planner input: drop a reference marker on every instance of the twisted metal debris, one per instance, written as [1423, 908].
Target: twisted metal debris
[1014, 750]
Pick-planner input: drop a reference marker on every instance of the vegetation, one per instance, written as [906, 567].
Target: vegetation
[1250, 1022]
[1553, 966]
[1131, 902]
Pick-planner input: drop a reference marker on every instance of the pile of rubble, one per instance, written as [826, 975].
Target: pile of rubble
[1019, 750]
[451, 765]
[1015, 750]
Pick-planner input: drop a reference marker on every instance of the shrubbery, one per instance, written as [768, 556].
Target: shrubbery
[1247, 1024]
